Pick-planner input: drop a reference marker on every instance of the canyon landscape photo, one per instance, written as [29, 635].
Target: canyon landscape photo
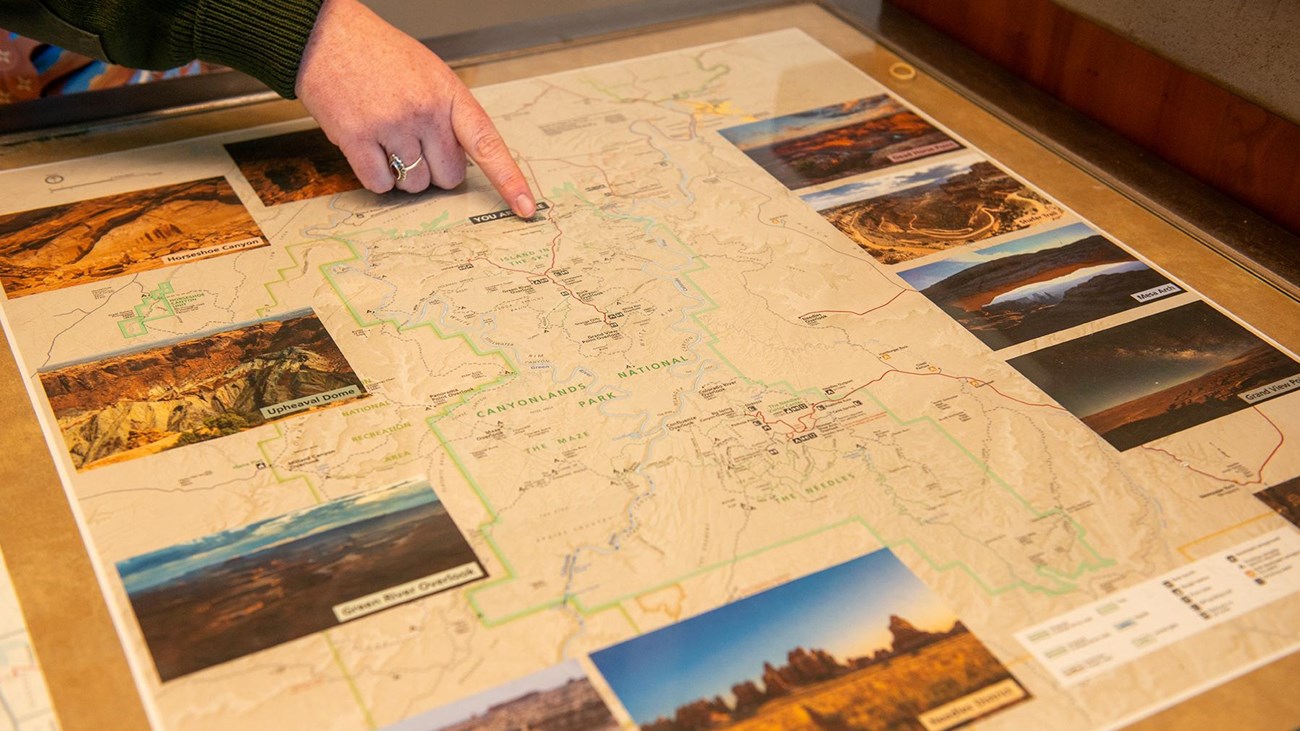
[910, 214]
[1159, 375]
[293, 167]
[51, 248]
[837, 141]
[1038, 285]
[143, 401]
[243, 590]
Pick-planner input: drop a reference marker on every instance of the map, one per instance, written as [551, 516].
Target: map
[788, 401]
[24, 699]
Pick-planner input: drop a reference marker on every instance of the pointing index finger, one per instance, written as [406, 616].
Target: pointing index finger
[479, 137]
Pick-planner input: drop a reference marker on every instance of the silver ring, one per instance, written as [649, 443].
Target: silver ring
[400, 170]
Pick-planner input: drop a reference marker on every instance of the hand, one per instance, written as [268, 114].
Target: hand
[376, 91]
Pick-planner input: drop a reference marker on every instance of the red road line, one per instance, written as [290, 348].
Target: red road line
[900, 293]
[555, 252]
[799, 427]
[1259, 480]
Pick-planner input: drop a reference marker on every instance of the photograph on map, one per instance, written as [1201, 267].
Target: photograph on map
[249, 588]
[1284, 498]
[901, 216]
[559, 698]
[141, 401]
[829, 143]
[862, 645]
[295, 166]
[1160, 375]
[61, 246]
[1039, 284]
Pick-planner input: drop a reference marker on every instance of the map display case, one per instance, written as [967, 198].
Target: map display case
[816, 396]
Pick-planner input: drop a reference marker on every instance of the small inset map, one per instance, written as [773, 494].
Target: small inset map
[560, 698]
[1039, 284]
[293, 167]
[905, 215]
[245, 589]
[24, 698]
[861, 645]
[1160, 375]
[142, 401]
[61, 246]
[840, 140]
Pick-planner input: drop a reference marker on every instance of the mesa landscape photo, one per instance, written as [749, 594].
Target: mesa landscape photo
[863, 645]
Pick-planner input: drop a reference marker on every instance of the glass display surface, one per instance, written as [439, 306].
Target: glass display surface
[793, 407]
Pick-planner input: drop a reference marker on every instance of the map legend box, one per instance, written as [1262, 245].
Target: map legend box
[1114, 631]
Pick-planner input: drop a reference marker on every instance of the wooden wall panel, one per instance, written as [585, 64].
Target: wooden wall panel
[1234, 145]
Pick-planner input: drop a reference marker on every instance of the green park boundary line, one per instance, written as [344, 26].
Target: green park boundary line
[1057, 578]
[352, 683]
[712, 340]
[270, 463]
[365, 323]
[850, 521]
[141, 321]
[712, 344]
[368, 322]
[329, 641]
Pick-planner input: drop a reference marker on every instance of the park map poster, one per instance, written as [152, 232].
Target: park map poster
[788, 393]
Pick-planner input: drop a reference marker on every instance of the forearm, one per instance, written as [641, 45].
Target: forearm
[263, 38]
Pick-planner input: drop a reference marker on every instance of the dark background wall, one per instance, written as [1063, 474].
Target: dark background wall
[1240, 147]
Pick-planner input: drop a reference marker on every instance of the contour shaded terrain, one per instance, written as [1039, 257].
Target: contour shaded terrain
[293, 167]
[138, 403]
[51, 248]
[978, 204]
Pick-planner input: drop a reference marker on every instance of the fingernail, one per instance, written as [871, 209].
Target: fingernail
[525, 206]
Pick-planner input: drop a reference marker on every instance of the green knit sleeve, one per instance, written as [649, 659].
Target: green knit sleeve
[263, 38]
